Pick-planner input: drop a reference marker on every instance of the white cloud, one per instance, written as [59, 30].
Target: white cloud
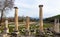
[50, 8]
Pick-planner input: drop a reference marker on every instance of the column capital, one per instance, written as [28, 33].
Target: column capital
[40, 5]
[26, 16]
[16, 7]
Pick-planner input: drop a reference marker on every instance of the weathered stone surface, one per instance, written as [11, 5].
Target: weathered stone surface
[16, 18]
[41, 17]
[56, 25]
[27, 25]
[6, 29]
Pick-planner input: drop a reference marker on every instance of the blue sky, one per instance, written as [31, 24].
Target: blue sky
[30, 8]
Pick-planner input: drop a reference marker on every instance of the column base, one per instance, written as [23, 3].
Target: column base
[39, 33]
[27, 32]
[6, 30]
[15, 34]
[56, 34]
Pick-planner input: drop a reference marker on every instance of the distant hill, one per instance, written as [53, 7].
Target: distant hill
[51, 19]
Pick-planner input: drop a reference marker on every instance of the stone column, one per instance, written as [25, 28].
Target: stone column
[6, 29]
[16, 31]
[6, 26]
[41, 17]
[56, 26]
[16, 18]
[27, 25]
[27, 22]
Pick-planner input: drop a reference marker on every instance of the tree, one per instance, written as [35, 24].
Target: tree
[4, 4]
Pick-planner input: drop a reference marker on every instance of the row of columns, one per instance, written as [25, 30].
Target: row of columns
[27, 19]
[41, 20]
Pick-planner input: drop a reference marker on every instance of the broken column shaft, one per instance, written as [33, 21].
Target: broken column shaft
[56, 26]
[55, 20]
[41, 17]
[27, 25]
[27, 22]
[6, 26]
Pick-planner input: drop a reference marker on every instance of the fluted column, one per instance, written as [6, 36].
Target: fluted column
[16, 18]
[41, 17]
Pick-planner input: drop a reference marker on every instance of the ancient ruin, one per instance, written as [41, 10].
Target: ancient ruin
[16, 33]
